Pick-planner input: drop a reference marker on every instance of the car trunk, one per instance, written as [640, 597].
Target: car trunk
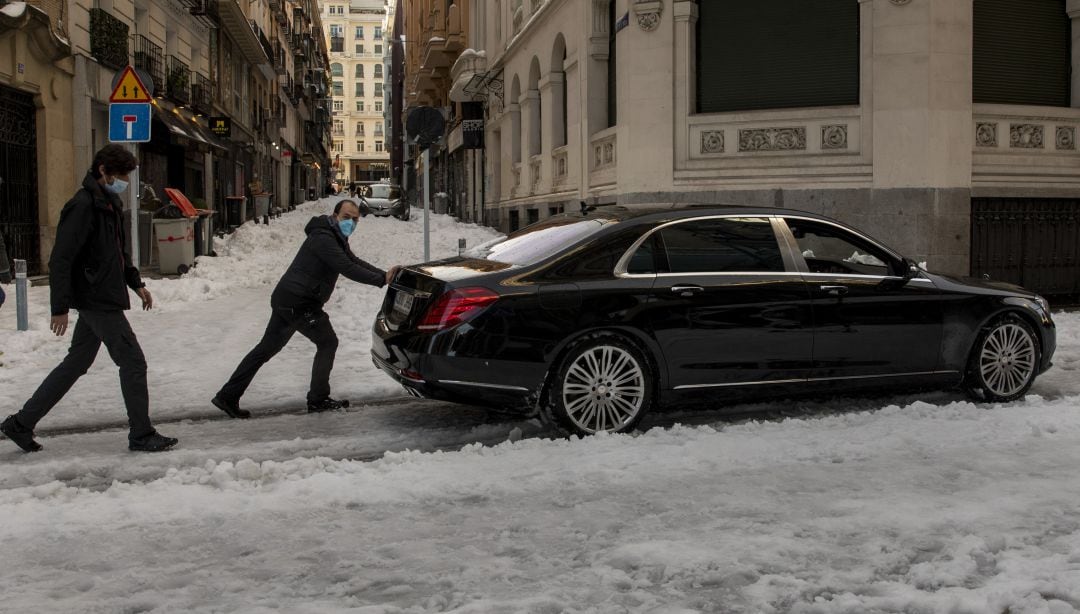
[415, 288]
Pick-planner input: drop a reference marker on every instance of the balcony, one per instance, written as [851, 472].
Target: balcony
[279, 60]
[202, 94]
[299, 45]
[232, 19]
[108, 39]
[178, 81]
[337, 131]
[337, 44]
[149, 57]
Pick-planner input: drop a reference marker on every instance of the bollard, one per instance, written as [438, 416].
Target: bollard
[23, 322]
[460, 246]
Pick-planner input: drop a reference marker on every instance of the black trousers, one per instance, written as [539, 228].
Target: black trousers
[313, 324]
[93, 329]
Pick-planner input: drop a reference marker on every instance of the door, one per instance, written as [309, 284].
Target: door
[18, 178]
[727, 309]
[868, 320]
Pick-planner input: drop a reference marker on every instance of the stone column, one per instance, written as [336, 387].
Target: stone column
[1073, 8]
[922, 129]
[530, 129]
[685, 14]
[551, 89]
[512, 147]
[574, 117]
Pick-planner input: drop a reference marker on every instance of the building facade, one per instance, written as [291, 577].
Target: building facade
[357, 41]
[945, 127]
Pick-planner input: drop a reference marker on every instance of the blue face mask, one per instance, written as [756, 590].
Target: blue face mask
[117, 186]
[347, 226]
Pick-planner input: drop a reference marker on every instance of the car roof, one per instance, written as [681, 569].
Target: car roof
[677, 211]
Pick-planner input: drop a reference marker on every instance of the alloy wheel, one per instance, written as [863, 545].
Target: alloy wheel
[1007, 360]
[604, 389]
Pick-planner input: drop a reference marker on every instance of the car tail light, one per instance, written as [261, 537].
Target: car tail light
[455, 307]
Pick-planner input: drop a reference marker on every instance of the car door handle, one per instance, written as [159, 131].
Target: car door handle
[835, 290]
[687, 290]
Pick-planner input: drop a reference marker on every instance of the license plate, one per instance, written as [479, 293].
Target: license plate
[403, 302]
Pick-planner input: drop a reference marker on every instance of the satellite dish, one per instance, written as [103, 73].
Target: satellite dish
[425, 125]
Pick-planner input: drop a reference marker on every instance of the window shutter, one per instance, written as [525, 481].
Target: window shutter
[1022, 52]
[777, 54]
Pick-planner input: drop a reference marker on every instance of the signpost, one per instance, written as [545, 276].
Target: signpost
[129, 122]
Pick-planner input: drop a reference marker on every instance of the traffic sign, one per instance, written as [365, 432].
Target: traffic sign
[129, 88]
[129, 122]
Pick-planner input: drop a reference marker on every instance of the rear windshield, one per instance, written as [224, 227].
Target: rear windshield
[533, 244]
[377, 190]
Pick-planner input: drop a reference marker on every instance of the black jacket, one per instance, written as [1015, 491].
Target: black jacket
[89, 267]
[311, 277]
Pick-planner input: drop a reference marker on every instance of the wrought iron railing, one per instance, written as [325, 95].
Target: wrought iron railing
[202, 94]
[108, 39]
[178, 81]
[149, 57]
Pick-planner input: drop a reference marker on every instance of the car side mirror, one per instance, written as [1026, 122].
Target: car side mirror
[910, 269]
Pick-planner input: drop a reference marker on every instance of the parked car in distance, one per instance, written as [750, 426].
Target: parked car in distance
[383, 200]
[595, 319]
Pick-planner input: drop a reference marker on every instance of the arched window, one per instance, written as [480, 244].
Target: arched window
[559, 95]
[336, 70]
[359, 71]
[378, 71]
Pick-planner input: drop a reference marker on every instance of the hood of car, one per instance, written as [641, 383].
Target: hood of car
[987, 286]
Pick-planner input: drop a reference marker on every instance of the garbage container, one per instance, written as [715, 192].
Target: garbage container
[235, 210]
[176, 244]
[204, 233]
[262, 206]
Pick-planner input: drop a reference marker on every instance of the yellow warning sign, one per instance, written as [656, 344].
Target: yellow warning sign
[129, 88]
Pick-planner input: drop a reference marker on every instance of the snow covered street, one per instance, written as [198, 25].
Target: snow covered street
[914, 503]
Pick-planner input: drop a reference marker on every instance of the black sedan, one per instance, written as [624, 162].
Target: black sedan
[594, 319]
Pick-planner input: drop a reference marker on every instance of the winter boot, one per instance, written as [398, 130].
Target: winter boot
[154, 442]
[230, 407]
[326, 405]
[22, 436]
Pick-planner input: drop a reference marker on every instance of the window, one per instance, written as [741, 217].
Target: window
[359, 128]
[339, 126]
[360, 32]
[378, 146]
[339, 146]
[359, 88]
[1021, 53]
[360, 105]
[336, 30]
[359, 146]
[336, 70]
[378, 32]
[378, 106]
[378, 129]
[339, 88]
[828, 249]
[378, 71]
[339, 105]
[359, 50]
[378, 49]
[359, 71]
[337, 44]
[777, 54]
[378, 90]
[722, 245]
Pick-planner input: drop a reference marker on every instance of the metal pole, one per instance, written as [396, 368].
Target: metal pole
[460, 246]
[23, 321]
[134, 200]
[425, 159]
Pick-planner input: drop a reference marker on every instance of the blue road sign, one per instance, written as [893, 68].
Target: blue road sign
[129, 122]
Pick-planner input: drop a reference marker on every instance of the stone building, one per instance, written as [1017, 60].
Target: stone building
[945, 127]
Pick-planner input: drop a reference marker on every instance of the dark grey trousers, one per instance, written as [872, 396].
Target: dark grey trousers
[93, 329]
[315, 325]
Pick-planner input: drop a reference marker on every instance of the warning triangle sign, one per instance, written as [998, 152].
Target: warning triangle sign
[129, 88]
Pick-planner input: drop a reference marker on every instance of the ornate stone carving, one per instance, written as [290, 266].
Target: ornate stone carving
[1026, 136]
[900, 2]
[834, 136]
[1066, 138]
[986, 134]
[712, 141]
[772, 139]
[648, 14]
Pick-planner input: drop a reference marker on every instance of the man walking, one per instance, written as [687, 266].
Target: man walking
[88, 271]
[297, 306]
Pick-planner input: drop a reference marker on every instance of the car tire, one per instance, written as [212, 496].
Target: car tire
[603, 383]
[1004, 361]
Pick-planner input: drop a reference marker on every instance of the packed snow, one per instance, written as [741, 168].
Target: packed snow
[908, 503]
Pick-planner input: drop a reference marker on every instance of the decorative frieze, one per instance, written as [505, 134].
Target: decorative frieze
[986, 134]
[604, 153]
[1066, 138]
[712, 141]
[648, 14]
[834, 136]
[772, 139]
[1026, 136]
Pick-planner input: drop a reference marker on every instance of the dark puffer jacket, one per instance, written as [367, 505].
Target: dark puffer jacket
[325, 254]
[89, 267]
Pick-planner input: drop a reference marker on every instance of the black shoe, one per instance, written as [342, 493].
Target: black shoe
[230, 407]
[22, 436]
[154, 442]
[326, 405]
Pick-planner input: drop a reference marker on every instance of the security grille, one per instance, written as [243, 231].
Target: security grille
[18, 178]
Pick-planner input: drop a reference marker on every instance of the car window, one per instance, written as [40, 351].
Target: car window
[643, 262]
[538, 241]
[722, 245]
[383, 191]
[829, 249]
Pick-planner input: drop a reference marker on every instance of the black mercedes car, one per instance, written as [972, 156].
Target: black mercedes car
[594, 319]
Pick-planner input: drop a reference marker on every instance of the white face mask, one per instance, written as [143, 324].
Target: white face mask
[117, 186]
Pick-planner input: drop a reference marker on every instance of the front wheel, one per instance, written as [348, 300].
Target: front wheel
[603, 384]
[1004, 361]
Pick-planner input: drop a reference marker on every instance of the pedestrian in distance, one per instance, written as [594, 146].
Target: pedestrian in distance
[90, 271]
[5, 269]
[296, 305]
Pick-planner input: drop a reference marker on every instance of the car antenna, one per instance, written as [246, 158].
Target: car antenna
[587, 208]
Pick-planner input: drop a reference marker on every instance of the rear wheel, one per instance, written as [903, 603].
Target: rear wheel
[603, 384]
[1004, 361]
